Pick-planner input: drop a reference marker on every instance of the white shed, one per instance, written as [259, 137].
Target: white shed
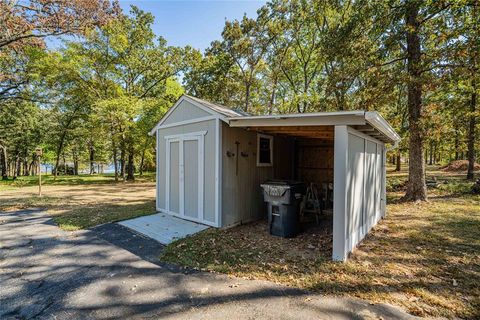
[211, 161]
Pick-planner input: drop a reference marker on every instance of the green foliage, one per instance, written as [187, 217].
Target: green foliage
[306, 56]
[95, 99]
[98, 97]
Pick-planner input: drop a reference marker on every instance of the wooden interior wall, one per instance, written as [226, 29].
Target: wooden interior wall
[314, 161]
[283, 157]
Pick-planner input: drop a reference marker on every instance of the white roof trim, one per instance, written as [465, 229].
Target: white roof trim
[197, 104]
[302, 115]
[301, 119]
[348, 118]
[378, 122]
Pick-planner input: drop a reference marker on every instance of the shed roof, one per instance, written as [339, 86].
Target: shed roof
[216, 107]
[368, 122]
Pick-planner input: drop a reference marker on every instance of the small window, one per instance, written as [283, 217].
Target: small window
[264, 150]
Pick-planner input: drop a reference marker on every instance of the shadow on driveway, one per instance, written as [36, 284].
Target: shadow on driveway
[47, 273]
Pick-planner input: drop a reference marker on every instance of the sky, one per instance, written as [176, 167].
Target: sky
[193, 22]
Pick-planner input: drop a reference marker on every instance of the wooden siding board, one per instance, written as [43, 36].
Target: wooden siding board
[314, 161]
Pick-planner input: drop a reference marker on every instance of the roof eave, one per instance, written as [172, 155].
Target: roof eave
[319, 119]
[378, 122]
[348, 118]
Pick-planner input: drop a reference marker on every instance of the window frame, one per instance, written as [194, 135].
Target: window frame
[270, 138]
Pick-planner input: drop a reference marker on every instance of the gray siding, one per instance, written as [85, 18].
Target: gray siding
[242, 199]
[185, 111]
[364, 180]
[191, 178]
[174, 172]
[209, 174]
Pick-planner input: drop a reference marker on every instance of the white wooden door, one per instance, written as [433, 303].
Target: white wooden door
[185, 176]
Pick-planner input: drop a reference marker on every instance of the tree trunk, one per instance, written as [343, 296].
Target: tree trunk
[430, 162]
[65, 167]
[457, 143]
[75, 163]
[416, 188]
[271, 102]
[471, 134]
[31, 168]
[140, 170]
[115, 162]
[131, 165]
[145, 146]
[247, 96]
[26, 172]
[473, 98]
[114, 152]
[17, 167]
[59, 152]
[92, 157]
[398, 165]
[3, 162]
[122, 162]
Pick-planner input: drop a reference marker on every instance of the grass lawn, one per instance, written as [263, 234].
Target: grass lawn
[79, 202]
[424, 257]
[82, 179]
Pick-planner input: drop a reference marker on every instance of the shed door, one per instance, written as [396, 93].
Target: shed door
[185, 176]
[173, 172]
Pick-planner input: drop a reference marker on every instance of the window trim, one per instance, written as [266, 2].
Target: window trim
[270, 138]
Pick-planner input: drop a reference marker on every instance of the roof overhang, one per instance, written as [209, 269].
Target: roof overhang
[319, 125]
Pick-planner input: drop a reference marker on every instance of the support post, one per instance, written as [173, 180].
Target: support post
[340, 170]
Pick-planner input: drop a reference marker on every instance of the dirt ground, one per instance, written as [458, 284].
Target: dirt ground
[121, 193]
[47, 273]
[81, 206]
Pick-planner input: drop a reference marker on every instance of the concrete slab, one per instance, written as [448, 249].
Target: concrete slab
[163, 227]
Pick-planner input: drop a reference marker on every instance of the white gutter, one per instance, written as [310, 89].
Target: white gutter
[303, 119]
[299, 115]
[379, 123]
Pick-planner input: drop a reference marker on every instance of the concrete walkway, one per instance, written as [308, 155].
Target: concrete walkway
[163, 227]
[46, 273]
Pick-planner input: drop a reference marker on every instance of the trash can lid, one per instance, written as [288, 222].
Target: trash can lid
[283, 183]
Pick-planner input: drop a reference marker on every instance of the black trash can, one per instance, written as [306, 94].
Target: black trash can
[283, 199]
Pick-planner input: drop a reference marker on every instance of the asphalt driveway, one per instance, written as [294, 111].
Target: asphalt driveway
[46, 273]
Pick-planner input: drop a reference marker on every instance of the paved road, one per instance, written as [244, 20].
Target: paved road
[46, 273]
